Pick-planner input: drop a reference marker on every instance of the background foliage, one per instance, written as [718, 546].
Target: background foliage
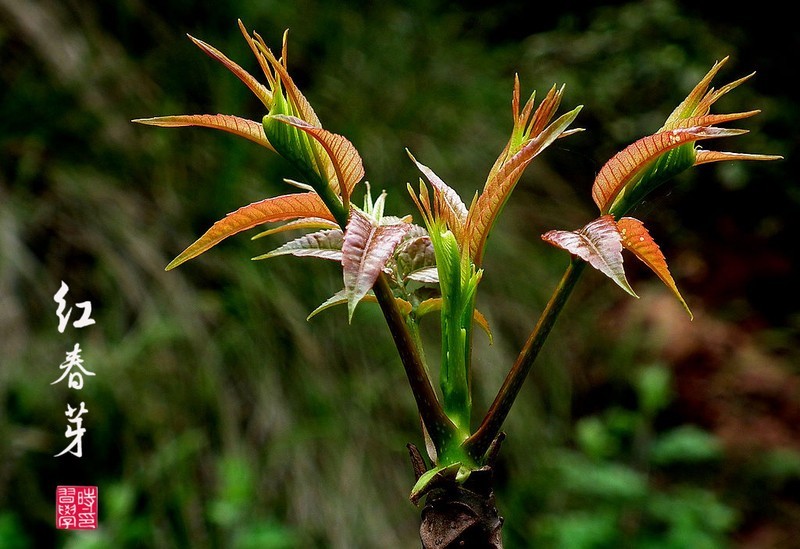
[219, 417]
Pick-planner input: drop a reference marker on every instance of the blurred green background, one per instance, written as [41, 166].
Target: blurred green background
[219, 417]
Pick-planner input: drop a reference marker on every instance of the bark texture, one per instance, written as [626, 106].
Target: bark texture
[460, 515]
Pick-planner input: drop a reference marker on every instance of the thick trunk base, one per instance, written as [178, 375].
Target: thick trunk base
[462, 516]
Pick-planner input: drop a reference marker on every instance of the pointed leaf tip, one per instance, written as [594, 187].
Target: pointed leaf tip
[344, 162]
[627, 165]
[637, 239]
[366, 248]
[278, 208]
[600, 244]
[242, 127]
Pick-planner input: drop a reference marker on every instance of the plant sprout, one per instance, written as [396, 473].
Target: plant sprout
[412, 270]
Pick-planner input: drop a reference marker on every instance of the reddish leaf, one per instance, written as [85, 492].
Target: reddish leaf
[710, 119]
[242, 127]
[691, 105]
[255, 86]
[503, 179]
[279, 208]
[447, 203]
[600, 244]
[366, 249]
[705, 157]
[303, 223]
[637, 239]
[624, 166]
[345, 162]
[275, 71]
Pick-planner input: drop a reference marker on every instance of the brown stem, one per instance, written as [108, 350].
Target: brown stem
[430, 409]
[462, 515]
[439, 426]
[479, 442]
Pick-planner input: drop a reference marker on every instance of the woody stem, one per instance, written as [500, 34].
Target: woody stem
[477, 444]
[439, 426]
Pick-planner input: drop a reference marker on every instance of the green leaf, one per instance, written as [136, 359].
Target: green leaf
[431, 478]
[325, 244]
[599, 243]
[340, 298]
[685, 444]
[279, 208]
[303, 152]
[435, 304]
[366, 249]
[344, 169]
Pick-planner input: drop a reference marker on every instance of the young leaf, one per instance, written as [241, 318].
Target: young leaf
[600, 244]
[435, 304]
[279, 208]
[705, 157]
[637, 239]
[484, 211]
[448, 205]
[340, 298]
[345, 162]
[415, 252]
[260, 91]
[699, 101]
[249, 129]
[625, 166]
[366, 249]
[276, 72]
[304, 223]
[426, 275]
[325, 244]
[709, 119]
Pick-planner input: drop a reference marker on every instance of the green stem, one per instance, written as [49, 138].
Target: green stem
[479, 442]
[439, 426]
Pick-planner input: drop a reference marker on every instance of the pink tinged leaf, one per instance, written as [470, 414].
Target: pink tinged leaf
[624, 166]
[599, 243]
[260, 91]
[713, 95]
[249, 129]
[366, 249]
[705, 157]
[426, 275]
[447, 203]
[279, 208]
[325, 244]
[345, 162]
[637, 239]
